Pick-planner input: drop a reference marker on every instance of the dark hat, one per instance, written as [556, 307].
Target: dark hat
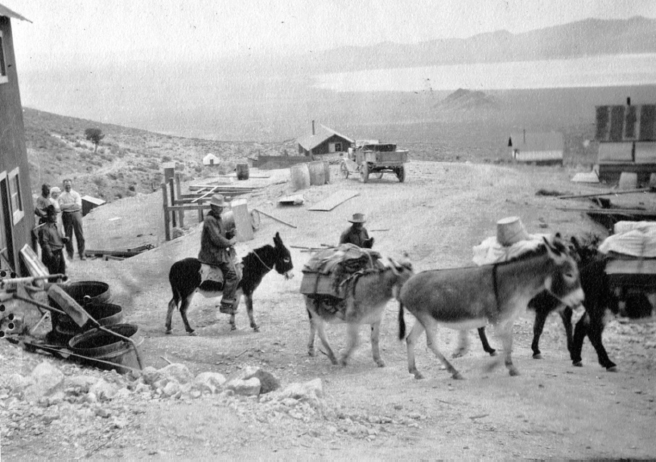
[357, 218]
[50, 210]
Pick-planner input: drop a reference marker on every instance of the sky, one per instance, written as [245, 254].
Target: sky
[88, 31]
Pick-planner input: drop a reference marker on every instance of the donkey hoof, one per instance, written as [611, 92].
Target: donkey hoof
[493, 352]
[578, 364]
[168, 332]
[311, 352]
[343, 362]
[256, 328]
[513, 372]
[418, 375]
[537, 356]
[191, 333]
[380, 363]
[233, 327]
[612, 369]
[457, 376]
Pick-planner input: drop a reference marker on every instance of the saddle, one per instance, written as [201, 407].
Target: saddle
[327, 271]
[211, 279]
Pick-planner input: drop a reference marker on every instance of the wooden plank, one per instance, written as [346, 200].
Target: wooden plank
[334, 200]
[31, 260]
[296, 199]
[645, 213]
[274, 218]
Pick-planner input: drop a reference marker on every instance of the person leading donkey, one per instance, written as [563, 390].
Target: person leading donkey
[217, 249]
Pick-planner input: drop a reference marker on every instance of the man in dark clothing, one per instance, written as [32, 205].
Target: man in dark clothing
[357, 233]
[216, 249]
[42, 202]
[52, 243]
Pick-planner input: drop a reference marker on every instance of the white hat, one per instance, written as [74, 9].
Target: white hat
[218, 200]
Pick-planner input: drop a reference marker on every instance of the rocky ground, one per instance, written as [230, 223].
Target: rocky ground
[195, 399]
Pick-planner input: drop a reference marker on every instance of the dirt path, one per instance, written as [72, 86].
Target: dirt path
[552, 410]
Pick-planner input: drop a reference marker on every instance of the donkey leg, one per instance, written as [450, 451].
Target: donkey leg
[431, 341]
[313, 331]
[538, 327]
[566, 316]
[375, 347]
[324, 341]
[183, 312]
[594, 334]
[248, 298]
[504, 332]
[410, 341]
[486, 345]
[463, 343]
[353, 337]
[580, 332]
[173, 304]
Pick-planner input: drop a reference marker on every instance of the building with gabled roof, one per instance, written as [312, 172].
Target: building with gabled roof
[323, 140]
[17, 217]
[537, 147]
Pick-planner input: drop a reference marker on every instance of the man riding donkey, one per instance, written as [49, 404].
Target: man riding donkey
[357, 234]
[216, 249]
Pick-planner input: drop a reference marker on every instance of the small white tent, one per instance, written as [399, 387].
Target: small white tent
[210, 159]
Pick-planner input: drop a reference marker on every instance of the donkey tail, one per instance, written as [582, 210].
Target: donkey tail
[401, 322]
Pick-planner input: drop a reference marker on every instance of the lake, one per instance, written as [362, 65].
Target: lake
[595, 71]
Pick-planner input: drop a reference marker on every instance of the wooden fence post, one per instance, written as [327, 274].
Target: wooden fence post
[167, 224]
[172, 186]
[178, 190]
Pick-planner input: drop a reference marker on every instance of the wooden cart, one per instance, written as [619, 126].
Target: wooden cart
[375, 159]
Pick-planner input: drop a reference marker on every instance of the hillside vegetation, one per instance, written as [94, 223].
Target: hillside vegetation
[128, 161]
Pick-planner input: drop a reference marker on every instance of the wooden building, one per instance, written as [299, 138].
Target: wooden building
[89, 203]
[627, 141]
[211, 160]
[542, 148]
[323, 140]
[16, 208]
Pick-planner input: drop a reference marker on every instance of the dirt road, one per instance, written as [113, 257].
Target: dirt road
[552, 410]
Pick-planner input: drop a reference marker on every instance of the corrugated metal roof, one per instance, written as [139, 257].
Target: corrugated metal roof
[322, 133]
[4, 11]
[531, 141]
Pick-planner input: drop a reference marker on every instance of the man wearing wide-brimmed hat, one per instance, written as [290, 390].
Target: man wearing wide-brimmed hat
[357, 234]
[216, 249]
[52, 243]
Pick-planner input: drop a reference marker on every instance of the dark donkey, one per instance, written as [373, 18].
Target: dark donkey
[184, 277]
[466, 298]
[600, 301]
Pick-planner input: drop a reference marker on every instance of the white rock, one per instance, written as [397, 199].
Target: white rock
[250, 387]
[171, 388]
[311, 390]
[210, 381]
[150, 375]
[103, 390]
[83, 382]
[46, 379]
[178, 372]
[18, 383]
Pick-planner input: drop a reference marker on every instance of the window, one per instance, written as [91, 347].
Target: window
[15, 196]
[3, 61]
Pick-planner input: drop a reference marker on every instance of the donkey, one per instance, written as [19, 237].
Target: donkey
[466, 298]
[185, 278]
[600, 303]
[367, 295]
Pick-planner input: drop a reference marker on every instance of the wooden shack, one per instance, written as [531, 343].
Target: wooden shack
[89, 203]
[323, 140]
[16, 208]
[627, 141]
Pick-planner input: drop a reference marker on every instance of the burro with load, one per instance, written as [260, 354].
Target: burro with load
[376, 159]
[351, 285]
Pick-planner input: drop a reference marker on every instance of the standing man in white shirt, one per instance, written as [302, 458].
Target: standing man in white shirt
[70, 203]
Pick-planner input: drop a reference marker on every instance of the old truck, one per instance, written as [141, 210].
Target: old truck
[376, 159]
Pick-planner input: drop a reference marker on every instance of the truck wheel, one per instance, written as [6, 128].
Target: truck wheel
[344, 170]
[364, 172]
[400, 173]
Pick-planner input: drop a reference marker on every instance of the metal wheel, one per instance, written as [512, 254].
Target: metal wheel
[344, 170]
[400, 173]
[364, 172]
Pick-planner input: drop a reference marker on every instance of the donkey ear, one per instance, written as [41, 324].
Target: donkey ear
[276, 239]
[552, 250]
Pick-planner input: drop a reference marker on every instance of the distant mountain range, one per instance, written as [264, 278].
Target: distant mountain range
[467, 100]
[582, 38]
